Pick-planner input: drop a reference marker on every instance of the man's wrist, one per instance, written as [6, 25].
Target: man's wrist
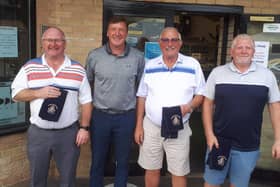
[85, 127]
[190, 108]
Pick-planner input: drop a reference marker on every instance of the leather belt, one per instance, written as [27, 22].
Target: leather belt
[113, 111]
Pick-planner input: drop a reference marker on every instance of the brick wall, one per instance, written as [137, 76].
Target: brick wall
[82, 22]
[13, 161]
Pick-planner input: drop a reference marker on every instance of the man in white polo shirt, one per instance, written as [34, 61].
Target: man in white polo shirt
[171, 87]
[56, 87]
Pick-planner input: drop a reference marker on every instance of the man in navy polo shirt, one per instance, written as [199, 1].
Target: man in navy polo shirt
[239, 91]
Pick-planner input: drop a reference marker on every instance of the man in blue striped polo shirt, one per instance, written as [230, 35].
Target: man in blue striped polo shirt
[170, 82]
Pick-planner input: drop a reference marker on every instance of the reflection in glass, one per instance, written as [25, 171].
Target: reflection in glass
[141, 30]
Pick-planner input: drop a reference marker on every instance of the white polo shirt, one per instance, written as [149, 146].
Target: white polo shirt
[163, 87]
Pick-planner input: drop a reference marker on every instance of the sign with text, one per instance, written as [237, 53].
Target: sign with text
[261, 52]
[8, 41]
[271, 27]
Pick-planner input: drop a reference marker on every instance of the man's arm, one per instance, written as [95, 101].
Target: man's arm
[140, 111]
[207, 116]
[83, 135]
[189, 107]
[31, 94]
[274, 111]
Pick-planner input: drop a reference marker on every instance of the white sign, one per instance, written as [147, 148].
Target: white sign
[8, 41]
[271, 27]
[261, 52]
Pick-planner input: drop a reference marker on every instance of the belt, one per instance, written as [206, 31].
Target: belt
[58, 129]
[113, 111]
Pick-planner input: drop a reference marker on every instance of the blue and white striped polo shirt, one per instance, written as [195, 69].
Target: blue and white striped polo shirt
[239, 102]
[163, 87]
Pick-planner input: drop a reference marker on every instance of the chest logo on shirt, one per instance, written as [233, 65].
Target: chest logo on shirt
[52, 108]
[175, 119]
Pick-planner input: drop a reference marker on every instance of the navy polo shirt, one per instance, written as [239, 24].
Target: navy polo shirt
[239, 100]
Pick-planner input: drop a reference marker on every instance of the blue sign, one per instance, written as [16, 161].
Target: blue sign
[152, 50]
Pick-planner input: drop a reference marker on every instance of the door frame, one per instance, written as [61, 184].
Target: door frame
[168, 10]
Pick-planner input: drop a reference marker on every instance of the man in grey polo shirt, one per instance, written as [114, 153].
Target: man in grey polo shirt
[235, 97]
[114, 71]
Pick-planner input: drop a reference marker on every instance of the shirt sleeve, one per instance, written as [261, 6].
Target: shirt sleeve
[19, 83]
[141, 66]
[85, 92]
[210, 86]
[200, 82]
[90, 67]
[273, 93]
[143, 88]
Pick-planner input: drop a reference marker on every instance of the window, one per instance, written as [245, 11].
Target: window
[15, 50]
[258, 32]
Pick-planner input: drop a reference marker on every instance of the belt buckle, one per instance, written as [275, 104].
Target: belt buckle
[113, 111]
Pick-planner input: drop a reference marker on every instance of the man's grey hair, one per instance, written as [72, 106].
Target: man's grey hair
[171, 29]
[54, 27]
[243, 37]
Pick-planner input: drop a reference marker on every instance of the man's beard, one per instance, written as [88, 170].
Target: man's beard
[243, 60]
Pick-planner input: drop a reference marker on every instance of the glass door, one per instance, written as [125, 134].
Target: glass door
[270, 33]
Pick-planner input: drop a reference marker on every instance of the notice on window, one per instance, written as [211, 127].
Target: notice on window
[8, 108]
[8, 42]
[271, 27]
[261, 52]
[152, 50]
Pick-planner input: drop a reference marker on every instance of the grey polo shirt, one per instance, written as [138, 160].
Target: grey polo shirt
[115, 78]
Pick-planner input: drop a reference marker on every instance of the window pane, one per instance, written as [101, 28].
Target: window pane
[14, 51]
[141, 30]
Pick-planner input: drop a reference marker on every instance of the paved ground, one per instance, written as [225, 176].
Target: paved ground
[260, 178]
[138, 181]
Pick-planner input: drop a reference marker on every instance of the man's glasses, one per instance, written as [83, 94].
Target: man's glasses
[167, 40]
[50, 40]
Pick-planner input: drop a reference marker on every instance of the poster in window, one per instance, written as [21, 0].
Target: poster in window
[152, 50]
[8, 42]
[261, 52]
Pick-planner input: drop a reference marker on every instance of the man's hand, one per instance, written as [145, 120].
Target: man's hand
[82, 137]
[276, 150]
[212, 141]
[139, 134]
[186, 108]
[48, 92]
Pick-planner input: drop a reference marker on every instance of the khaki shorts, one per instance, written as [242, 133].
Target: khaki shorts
[154, 146]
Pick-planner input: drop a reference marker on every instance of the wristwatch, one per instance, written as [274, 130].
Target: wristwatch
[84, 127]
